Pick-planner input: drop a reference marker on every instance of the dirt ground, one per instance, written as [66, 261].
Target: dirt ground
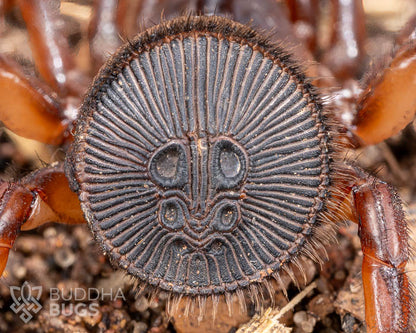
[69, 266]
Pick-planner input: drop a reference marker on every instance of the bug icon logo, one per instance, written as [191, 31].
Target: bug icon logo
[26, 300]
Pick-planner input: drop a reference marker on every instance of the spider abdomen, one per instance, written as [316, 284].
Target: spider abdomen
[201, 157]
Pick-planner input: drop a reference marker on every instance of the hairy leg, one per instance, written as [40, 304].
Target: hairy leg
[384, 242]
[377, 209]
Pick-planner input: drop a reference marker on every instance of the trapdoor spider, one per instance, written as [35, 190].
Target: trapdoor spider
[202, 158]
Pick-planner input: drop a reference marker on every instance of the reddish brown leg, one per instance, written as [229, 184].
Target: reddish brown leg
[388, 104]
[50, 50]
[346, 49]
[27, 109]
[127, 16]
[377, 209]
[103, 32]
[43, 196]
[304, 13]
[384, 242]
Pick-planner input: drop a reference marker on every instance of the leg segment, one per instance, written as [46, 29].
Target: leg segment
[50, 50]
[43, 196]
[127, 13]
[304, 14]
[346, 48]
[27, 109]
[384, 242]
[388, 104]
[103, 32]
[15, 208]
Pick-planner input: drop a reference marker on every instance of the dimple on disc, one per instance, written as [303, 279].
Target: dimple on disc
[200, 159]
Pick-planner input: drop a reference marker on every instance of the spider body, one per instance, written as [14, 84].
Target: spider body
[214, 153]
[205, 162]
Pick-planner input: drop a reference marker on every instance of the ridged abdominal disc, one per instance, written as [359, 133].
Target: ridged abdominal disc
[200, 160]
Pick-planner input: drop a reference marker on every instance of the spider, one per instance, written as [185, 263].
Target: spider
[202, 158]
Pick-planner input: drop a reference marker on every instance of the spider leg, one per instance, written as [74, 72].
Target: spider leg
[27, 107]
[127, 14]
[41, 197]
[388, 104]
[383, 234]
[377, 209]
[50, 49]
[103, 32]
[304, 15]
[346, 49]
